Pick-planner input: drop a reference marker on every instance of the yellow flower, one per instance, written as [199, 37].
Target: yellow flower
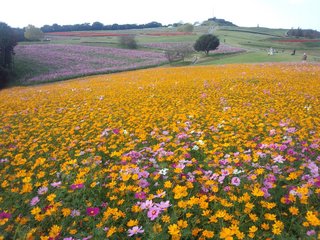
[226, 233]
[66, 212]
[265, 226]
[294, 210]
[312, 219]
[51, 197]
[132, 223]
[167, 184]
[174, 230]
[257, 192]
[182, 224]
[180, 191]
[54, 231]
[253, 229]
[208, 234]
[111, 231]
[165, 218]
[157, 228]
[35, 210]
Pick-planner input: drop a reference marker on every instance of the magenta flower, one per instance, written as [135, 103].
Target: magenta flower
[116, 131]
[5, 215]
[77, 186]
[235, 181]
[153, 213]
[93, 211]
[135, 230]
[140, 195]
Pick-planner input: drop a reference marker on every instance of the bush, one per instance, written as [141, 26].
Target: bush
[128, 41]
[33, 34]
[186, 28]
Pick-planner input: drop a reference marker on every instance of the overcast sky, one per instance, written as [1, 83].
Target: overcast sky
[249, 13]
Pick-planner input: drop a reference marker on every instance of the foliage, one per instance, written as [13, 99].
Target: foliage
[7, 44]
[228, 152]
[187, 27]
[128, 41]
[306, 33]
[206, 43]
[33, 34]
[219, 22]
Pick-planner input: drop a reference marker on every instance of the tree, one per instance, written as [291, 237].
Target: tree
[33, 34]
[178, 53]
[206, 43]
[128, 41]
[97, 26]
[7, 44]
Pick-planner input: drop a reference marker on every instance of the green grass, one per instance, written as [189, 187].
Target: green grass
[251, 57]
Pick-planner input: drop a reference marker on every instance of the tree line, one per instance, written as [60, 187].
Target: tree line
[306, 33]
[8, 40]
[96, 26]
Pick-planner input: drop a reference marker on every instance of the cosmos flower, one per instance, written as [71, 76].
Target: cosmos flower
[92, 211]
[135, 230]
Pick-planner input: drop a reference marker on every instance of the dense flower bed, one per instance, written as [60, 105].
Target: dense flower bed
[228, 152]
[62, 61]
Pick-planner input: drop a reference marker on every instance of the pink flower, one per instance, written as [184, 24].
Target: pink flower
[93, 211]
[147, 204]
[278, 159]
[56, 184]
[135, 230]
[34, 201]
[235, 181]
[42, 190]
[153, 213]
[163, 205]
[143, 183]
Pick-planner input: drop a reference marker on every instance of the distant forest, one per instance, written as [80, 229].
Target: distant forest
[306, 33]
[96, 26]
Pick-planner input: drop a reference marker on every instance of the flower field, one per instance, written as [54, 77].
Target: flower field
[227, 152]
[65, 61]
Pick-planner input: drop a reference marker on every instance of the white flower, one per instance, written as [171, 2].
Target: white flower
[163, 171]
[195, 147]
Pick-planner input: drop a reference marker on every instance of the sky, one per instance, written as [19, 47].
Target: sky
[246, 13]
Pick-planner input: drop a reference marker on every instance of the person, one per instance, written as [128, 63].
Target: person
[293, 52]
[304, 57]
